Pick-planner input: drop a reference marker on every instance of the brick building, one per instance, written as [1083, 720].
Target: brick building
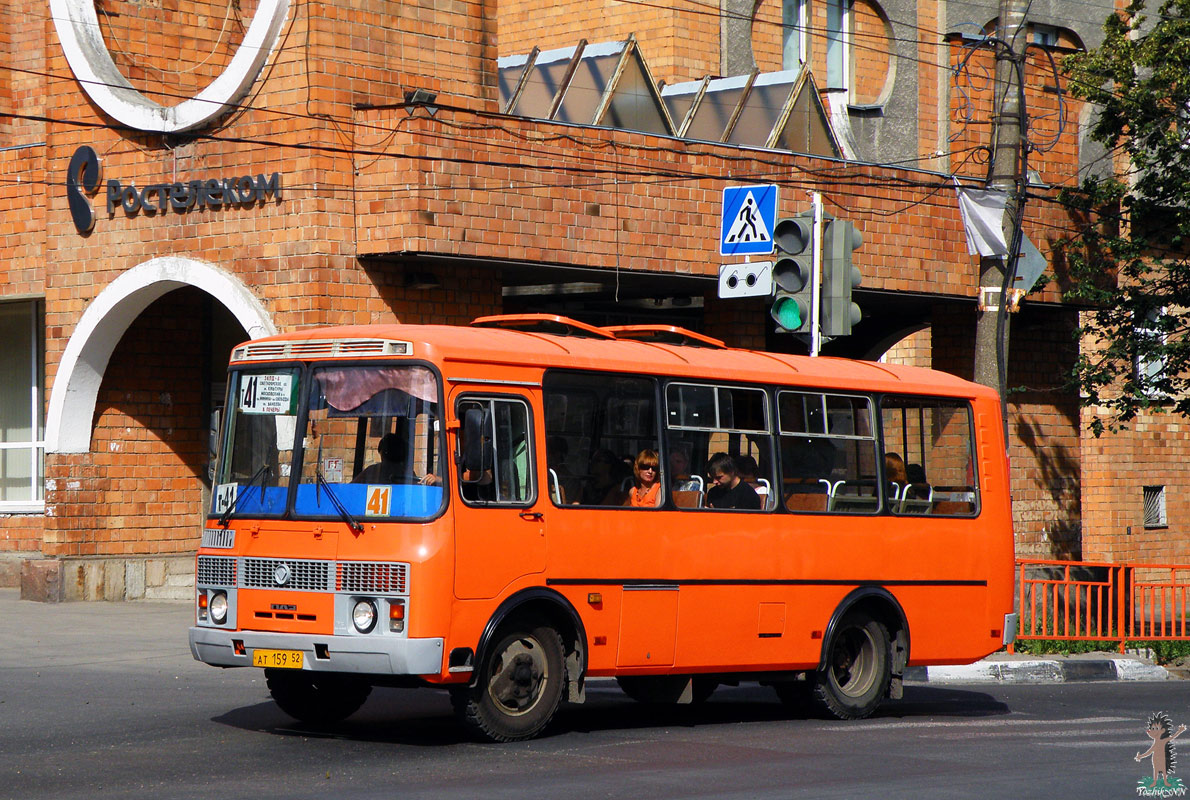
[268, 166]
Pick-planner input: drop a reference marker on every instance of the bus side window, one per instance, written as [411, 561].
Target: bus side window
[495, 452]
[720, 435]
[597, 425]
[828, 453]
[934, 439]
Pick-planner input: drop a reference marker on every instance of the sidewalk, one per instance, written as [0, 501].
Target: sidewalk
[1020, 668]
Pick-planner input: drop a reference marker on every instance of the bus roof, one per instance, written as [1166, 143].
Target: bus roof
[513, 347]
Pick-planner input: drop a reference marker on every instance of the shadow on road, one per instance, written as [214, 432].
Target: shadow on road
[423, 718]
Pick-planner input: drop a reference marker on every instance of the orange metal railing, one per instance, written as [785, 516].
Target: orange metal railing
[1102, 602]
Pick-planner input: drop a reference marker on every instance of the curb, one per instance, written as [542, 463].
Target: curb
[1040, 671]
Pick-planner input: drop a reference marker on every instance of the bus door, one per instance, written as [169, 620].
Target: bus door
[499, 513]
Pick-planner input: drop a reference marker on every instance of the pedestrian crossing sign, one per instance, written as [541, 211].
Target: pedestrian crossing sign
[749, 216]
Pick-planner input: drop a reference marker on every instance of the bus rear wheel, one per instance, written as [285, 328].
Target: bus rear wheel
[666, 688]
[857, 670]
[318, 697]
[519, 686]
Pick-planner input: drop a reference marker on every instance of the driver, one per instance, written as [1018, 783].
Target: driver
[392, 466]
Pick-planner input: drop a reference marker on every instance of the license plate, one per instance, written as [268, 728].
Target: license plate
[277, 659]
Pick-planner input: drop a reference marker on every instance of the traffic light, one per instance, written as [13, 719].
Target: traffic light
[839, 277]
[792, 274]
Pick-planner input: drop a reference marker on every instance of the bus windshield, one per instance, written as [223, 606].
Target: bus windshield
[371, 446]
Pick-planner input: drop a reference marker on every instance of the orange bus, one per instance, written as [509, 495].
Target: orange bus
[508, 509]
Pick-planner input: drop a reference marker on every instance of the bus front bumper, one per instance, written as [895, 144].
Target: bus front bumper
[375, 655]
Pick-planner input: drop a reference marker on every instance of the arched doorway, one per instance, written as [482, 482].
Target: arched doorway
[129, 427]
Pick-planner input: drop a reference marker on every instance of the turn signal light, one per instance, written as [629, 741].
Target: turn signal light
[396, 616]
[202, 606]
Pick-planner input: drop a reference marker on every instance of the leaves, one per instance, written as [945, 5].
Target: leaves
[1130, 261]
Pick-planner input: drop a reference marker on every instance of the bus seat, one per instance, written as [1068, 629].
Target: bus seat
[854, 495]
[806, 501]
[953, 507]
[954, 500]
[687, 498]
[918, 498]
[765, 490]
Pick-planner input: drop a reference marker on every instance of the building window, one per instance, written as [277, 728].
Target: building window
[1155, 507]
[1148, 368]
[22, 446]
[1045, 35]
[838, 43]
[793, 33]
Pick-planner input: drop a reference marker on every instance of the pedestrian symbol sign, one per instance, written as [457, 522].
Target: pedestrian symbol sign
[749, 215]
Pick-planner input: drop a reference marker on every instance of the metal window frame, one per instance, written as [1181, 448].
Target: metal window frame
[35, 446]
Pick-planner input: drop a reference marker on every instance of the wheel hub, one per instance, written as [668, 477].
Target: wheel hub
[518, 675]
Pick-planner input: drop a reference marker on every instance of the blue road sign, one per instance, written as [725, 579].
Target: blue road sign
[749, 216]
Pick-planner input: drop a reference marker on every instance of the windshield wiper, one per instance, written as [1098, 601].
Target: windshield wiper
[225, 517]
[343, 512]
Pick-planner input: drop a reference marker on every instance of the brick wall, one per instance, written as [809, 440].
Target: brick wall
[365, 190]
[1116, 468]
[139, 489]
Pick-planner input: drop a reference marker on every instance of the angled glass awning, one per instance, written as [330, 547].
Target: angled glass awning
[606, 84]
[777, 110]
[609, 85]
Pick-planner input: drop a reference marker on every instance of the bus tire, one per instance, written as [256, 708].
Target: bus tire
[519, 686]
[318, 697]
[665, 689]
[857, 672]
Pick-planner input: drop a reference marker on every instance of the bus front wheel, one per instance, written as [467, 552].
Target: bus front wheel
[519, 686]
[857, 671]
[317, 697]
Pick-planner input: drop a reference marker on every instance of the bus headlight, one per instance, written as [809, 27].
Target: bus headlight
[364, 616]
[218, 608]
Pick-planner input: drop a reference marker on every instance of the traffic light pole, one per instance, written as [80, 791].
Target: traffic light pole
[816, 276]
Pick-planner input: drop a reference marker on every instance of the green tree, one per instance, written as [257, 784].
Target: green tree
[1131, 261]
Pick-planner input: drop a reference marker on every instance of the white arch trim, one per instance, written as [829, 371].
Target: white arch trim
[107, 317]
[91, 62]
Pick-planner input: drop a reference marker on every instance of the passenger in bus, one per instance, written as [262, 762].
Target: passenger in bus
[603, 488]
[646, 489]
[748, 470]
[750, 474]
[392, 466]
[894, 474]
[729, 490]
[557, 450]
[679, 472]
[919, 487]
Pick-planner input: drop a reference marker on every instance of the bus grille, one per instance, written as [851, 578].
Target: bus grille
[356, 577]
[216, 571]
[365, 577]
[223, 539]
[262, 573]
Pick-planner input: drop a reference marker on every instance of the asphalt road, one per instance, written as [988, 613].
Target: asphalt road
[103, 700]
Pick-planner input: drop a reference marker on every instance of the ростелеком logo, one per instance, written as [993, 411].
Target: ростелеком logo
[82, 176]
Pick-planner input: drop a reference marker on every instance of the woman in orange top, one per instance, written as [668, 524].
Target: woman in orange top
[647, 488]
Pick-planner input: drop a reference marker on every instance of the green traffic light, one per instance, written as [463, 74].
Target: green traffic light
[788, 313]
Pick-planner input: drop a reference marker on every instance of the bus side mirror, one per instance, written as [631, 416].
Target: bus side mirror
[213, 443]
[477, 448]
